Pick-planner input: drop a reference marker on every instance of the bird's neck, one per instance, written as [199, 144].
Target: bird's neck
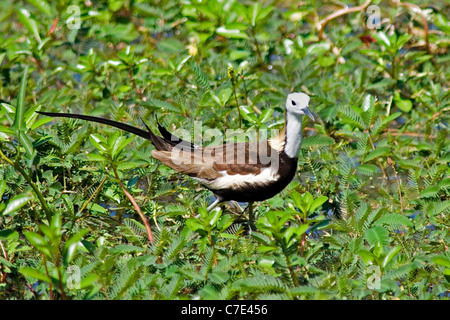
[293, 135]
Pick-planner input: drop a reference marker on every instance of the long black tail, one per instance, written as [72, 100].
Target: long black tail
[158, 142]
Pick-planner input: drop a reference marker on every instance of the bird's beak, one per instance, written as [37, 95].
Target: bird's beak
[308, 113]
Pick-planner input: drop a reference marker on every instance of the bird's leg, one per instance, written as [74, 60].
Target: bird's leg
[237, 206]
[213, 205]
[250, 217]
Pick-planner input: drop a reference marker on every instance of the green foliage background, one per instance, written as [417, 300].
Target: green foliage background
[367, 216]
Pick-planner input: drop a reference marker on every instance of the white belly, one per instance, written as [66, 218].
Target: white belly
[237, 181]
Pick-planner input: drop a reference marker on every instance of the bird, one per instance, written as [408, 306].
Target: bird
[239, 171]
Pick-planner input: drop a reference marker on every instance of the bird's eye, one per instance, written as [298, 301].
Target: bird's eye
[293, 103]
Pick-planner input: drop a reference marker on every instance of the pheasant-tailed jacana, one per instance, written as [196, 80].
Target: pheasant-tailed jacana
[243, 171]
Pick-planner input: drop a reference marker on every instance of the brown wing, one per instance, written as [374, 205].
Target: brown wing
[189, 162]
[241, 158]
[211, 162]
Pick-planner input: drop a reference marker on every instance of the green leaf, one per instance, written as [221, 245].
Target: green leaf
[402, 40]
[446, 273]
[431, 191]
[239, 54]
[40, 122]
[317, 141]
[19, 125]
[6, 130]
[111, 140]
[115, 5]
[265, 261]
[125, 248]
[26, 143]
[19, 120]
[163, 105]
[88, 281]
[8, 234]
[266, 115]
[303, 202]
[214, 216]
[255, 10]
[350, 116]
[194, 224]
[317, 203]
[96, 157]
[8, 108]
[302, 229]
[377, 236]
[219, 277]
[318, 49]
[263, 13]
[442, 22]
[34, 273]
[382, 39]
[69, 204]
[368, 109]
[182, 63]
[380, 124]
[98, 208]
[378, 152]
[69, 252]
[170, 46]
[2, 188]
[403, 104]
[120, 143]
[15, 204]
[29, 23]
[203, 213]
[441, 261]
[367, 256]
[289, 234]
[381, 85]
[98, 141]
[231, 33]
[394, 219]
[368, 103]
[31, 115]
[43, 6]
[264, 248]
[56, 224]
[38, 241]
[200, 77]
[248, 114]
[125, 88]
[228, 235]
[49, 234]
[224, 95]
[390, 255]
[6, 264]
[367, 169]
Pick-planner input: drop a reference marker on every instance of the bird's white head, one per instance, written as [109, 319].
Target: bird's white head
[298, 103]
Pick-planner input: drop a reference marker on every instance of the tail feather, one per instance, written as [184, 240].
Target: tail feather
[158, 142]
[174, 139]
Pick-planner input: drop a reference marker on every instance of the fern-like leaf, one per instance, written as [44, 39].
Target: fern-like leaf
[200, 78]
[317, 141]
[260, 284]
[394, 220]
[378, 152]
[161, 105]
[350, 116]
[377, 235]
